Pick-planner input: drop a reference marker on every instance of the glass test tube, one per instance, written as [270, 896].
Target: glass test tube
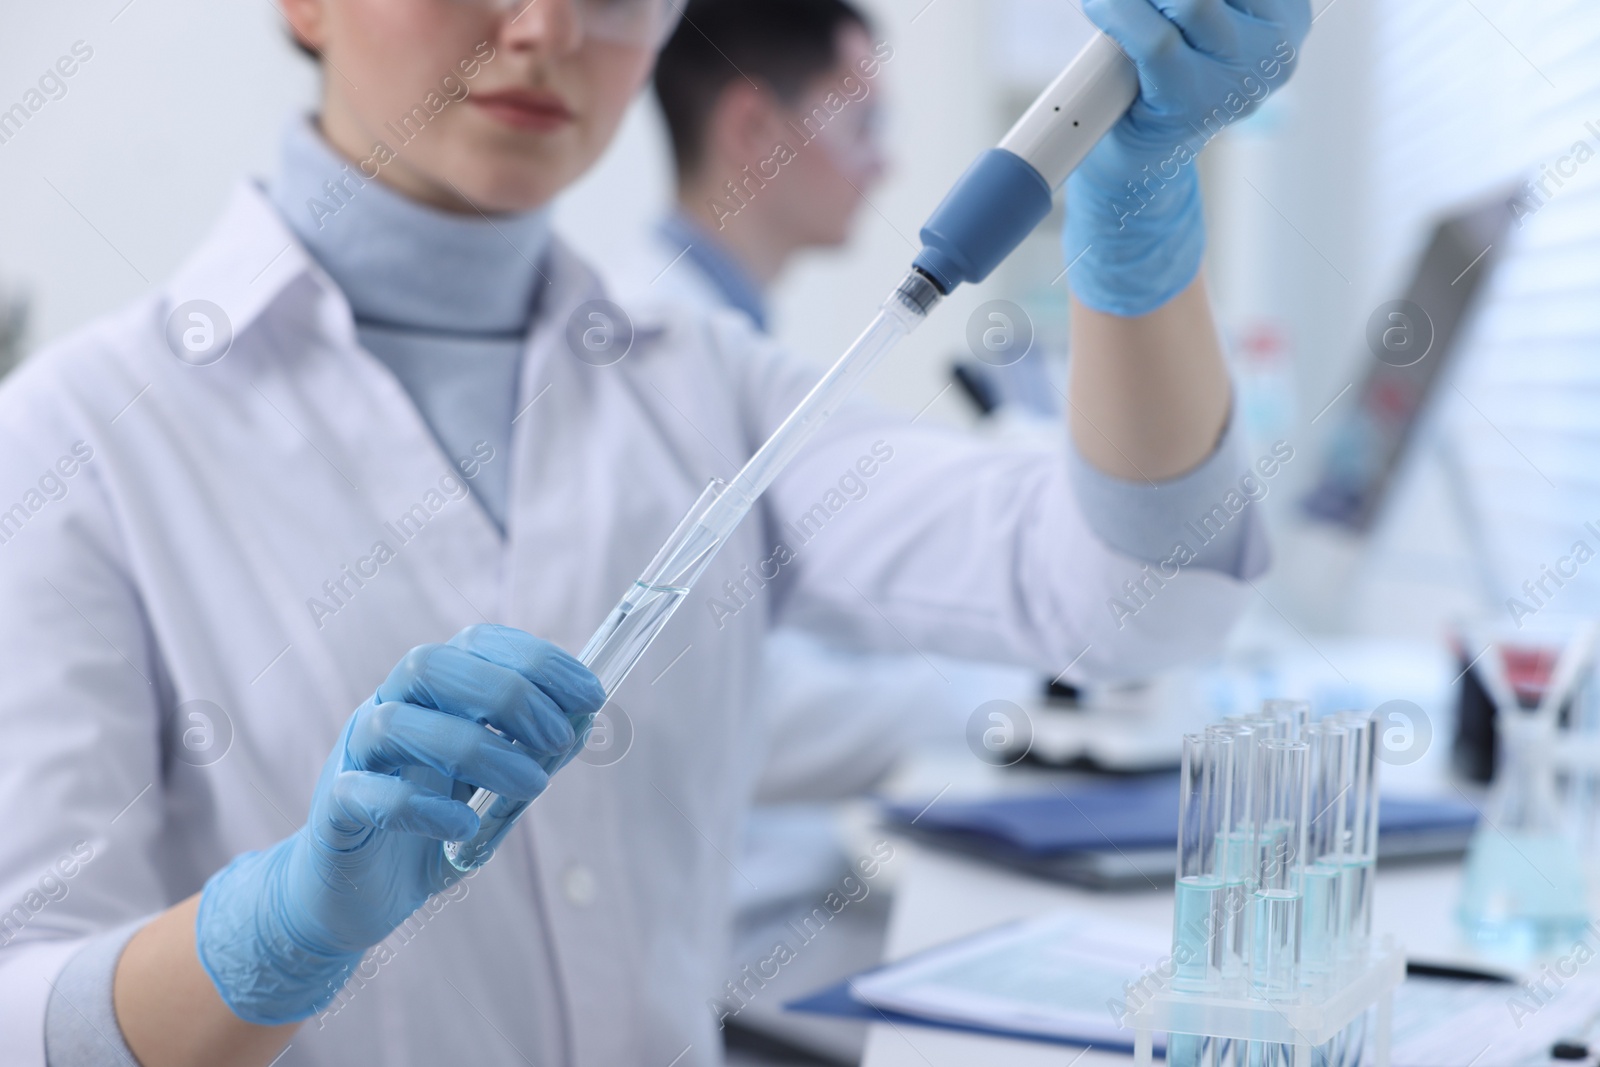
[1281, 828]
[1236, 845]
[1329, 756]
[1324, 875]
[1264, 724]
[1247, 731]
[1196, 911]
[1196, 908]
[1358, 860]
[1234, 826]
[1360, 854]
[1295, 715]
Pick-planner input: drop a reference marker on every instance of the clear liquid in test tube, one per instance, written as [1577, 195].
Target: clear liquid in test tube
[1329, 753]
[1360, 834]
[1236, 846]
[1357, 829]
[1197, 910]
[1281, 825]
[1322, 879]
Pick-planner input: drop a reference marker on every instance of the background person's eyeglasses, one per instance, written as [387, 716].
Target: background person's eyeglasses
[635, 22]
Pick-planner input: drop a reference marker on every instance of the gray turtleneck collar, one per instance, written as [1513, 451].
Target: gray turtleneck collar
[444, 301]
[401, 263]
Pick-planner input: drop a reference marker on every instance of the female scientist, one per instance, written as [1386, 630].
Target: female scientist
[354, 423]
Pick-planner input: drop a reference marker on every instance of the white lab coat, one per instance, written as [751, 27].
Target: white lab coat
[177, 562]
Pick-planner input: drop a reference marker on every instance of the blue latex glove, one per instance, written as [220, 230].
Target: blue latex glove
[279, 931]
[1134, 233]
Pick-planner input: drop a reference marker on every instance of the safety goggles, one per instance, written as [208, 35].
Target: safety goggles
[636, 22]
[853, 138]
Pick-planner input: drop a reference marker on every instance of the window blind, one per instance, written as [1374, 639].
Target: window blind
[1473, 95]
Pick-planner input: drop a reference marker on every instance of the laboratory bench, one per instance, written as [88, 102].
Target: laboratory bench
[940, 897]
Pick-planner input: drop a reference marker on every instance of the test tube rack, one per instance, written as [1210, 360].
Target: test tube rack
[1304, 1023]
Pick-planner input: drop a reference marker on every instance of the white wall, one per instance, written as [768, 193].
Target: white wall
[180, 98]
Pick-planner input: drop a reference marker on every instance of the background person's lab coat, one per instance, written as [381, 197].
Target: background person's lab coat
[219, 538]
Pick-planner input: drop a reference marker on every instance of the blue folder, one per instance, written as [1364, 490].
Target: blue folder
[1126, 832]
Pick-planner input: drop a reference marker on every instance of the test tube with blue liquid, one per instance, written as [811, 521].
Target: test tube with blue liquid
[1248, 731]
[1235, 844]
[1280, 821]
[1359, 836]
[1354, 829]
[1330, 753]
[1197, 909]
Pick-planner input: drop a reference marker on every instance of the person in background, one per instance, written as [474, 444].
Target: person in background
[773, 109]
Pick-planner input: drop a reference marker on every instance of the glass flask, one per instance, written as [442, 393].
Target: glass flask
[1523, 889]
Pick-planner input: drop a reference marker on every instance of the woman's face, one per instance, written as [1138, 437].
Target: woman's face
[476, 105]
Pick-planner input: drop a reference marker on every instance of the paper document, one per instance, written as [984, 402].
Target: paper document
[1055, 976]
[1489, 1024]
[1058, 977]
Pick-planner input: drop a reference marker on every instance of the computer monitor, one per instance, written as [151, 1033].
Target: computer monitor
[1409, 341]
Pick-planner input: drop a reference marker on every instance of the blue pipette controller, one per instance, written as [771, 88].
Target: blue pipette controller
[1007, 190]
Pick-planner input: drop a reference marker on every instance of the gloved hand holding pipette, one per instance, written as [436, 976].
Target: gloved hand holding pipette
[1134, 232]
[279, 930]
